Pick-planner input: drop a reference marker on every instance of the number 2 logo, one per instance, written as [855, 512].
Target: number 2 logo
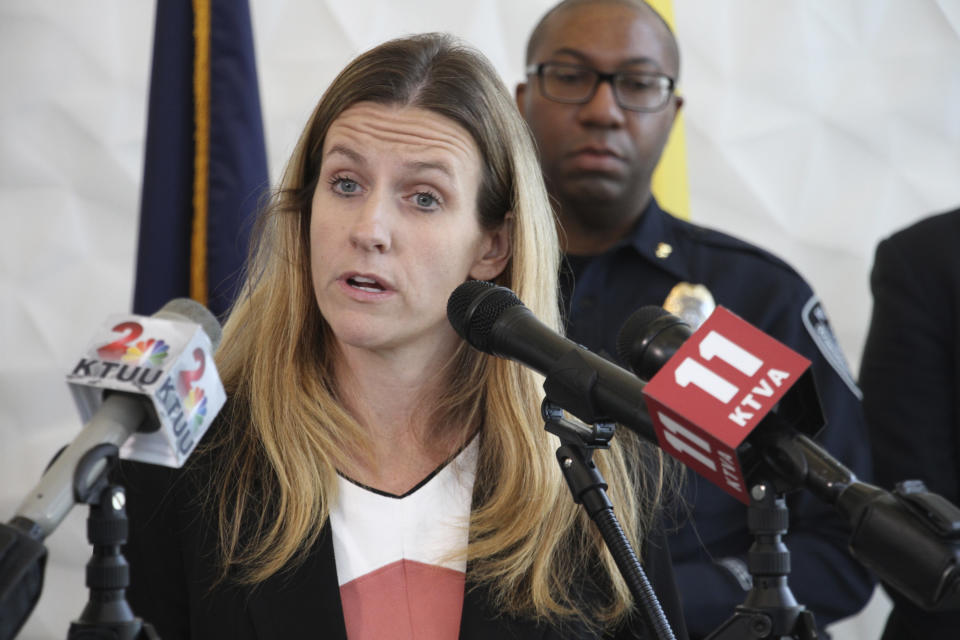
[116, 349]
[187, 378]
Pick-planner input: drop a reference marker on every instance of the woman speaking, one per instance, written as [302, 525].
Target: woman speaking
[373, 476]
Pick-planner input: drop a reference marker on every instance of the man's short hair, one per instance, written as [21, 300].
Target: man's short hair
[537, 34]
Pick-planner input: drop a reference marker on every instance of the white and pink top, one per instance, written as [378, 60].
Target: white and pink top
[400, 560]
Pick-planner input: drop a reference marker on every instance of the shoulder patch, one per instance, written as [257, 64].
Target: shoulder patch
[815, 320]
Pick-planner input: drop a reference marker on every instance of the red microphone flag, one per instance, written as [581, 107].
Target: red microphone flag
[713, 393]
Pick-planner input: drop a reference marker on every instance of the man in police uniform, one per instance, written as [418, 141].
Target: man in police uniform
[600, 101]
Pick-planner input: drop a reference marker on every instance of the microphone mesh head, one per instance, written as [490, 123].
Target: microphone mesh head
[635, 330]
[192, 311]
[474, 307]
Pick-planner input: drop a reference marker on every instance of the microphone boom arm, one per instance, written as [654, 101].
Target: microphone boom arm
[909, 537]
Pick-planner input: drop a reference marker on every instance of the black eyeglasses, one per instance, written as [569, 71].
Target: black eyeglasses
[577, 84]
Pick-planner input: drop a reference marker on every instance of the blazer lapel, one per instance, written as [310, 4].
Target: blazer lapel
[303, 602]
[477, 622]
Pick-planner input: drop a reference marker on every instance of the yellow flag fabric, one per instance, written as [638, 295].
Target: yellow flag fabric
[670, 184]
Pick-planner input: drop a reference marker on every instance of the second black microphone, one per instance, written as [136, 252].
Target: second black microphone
[493, 320]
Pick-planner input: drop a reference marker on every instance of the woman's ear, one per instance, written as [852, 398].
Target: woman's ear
[495, 251]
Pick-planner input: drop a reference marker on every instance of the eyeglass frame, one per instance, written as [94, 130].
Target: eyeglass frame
[602, 76]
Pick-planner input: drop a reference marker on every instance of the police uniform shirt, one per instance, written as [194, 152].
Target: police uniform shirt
[709, 549]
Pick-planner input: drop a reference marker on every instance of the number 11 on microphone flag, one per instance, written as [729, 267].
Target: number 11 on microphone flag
[205, 166]
[715, 391]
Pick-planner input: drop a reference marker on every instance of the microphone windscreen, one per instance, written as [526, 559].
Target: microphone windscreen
[192, 311]
[636, 327]
[650, 337]
[474, 307]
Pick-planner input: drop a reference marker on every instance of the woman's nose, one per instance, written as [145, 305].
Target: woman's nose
[370, 230]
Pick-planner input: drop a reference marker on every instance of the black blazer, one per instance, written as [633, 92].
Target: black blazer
[910, 377]
[172, 556]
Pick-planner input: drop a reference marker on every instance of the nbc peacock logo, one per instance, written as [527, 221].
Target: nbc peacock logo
[129, 349]
[195, 406]
[148, 351]
[192, 395]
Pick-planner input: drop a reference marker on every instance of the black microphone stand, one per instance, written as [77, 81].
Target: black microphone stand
[769, 610]
[107, 615]
[587, 486]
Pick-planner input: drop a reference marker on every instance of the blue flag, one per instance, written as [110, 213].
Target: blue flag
[205, 167]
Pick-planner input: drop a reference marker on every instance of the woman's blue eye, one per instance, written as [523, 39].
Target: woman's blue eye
[426, 200]
[344, 185]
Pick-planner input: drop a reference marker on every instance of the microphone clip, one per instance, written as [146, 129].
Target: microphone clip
[575, 432]
[575, 456]
[578, 441]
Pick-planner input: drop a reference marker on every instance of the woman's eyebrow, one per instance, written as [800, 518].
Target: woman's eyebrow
[421, 165]
[339, 149]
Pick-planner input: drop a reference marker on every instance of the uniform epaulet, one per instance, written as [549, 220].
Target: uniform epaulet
[715, 239]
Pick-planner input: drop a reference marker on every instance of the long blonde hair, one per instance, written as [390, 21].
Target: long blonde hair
[286, 432]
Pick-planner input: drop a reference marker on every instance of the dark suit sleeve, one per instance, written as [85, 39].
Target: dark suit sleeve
[908, 372]
[910, 381]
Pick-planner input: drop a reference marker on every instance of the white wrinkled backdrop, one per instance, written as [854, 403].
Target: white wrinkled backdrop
[814, 128]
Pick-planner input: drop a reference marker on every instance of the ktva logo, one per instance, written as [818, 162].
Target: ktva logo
[720, 384]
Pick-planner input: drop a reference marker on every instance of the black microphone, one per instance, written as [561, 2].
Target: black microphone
[650, 337]
[493, 320]
[909, 537]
